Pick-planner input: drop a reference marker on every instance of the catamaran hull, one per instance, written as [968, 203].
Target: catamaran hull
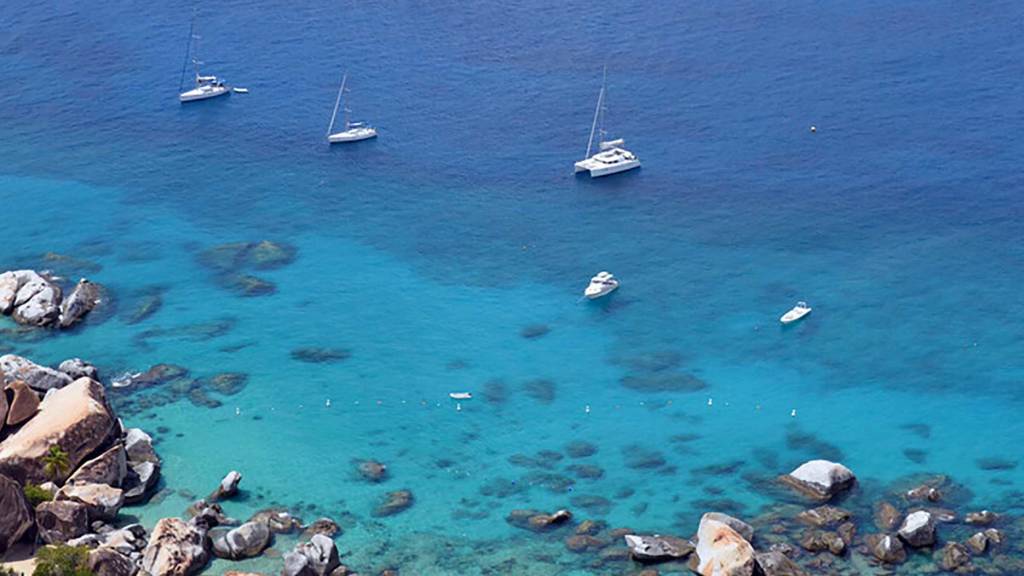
[193, 95]
[596, 171]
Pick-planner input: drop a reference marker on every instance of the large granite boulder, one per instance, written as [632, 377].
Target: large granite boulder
[318, 557]
[657, 548]
[176, 548]
[918, 529]
[10, 281]
[721, 551]
[245, 541]
[102, 502]
[105, 561]
[81, 301]
[140, 481]
[16, 518]
[77, 418]
[77, 368]
[139, 446]
[820, 479]
[886, 548]
[776, 563]
[40, 378]
[110, 468]
[3, 407]
[60, 521]
[23, 405]
[37, 301]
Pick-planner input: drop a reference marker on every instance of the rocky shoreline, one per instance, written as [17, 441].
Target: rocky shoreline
[68, 466]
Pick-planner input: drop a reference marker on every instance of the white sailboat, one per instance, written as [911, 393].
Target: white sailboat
[205, 86]
[611, 157]
[354, 131]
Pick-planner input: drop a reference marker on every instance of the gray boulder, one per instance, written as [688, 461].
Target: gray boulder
[176, 548]
[657, 548]
[109, 468]
[278, 520]
[101, 501]
[139, 446]
[80, 302]
[318, 557]
[228, 487]
[918, 529]
[37, 302]
[820, 479]
[16, 518]
[40, 378]
[142, 477]
[77, 368]
[886, 548]
[60, 521]
[10, 281]
[245, 541]
[105, 561]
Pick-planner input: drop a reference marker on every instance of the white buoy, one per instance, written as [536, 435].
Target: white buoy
[710, 401]
[586, 409]
[458, 406]
[328, 403]
[814, 128]
[238, 411]
[793, 413]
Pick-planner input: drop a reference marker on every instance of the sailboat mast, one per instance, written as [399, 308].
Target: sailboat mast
[188, 52]
[593, 125]
[337, 102]
[602, 135]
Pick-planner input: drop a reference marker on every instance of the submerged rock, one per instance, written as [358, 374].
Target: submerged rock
[579, 543]
[248, 285]
[278, 520]
[822, 540]
[228, 383]
[580, 449]
[954, 556]
[820, 479]
[371, 470]
[147, 304]
[394, 502]
[536, 520]
[886, 548]
[541, 389]
[663, 382]
[657, 548]
[320, 355]
[324, 526]
[776, 563]
[823, 516]
[983, 518]
[534, 331]
[263, 255]
[887, 516]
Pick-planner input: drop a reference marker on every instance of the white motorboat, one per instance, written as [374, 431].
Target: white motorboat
[612, 156]
[601, 285]
[354, 131]
[796, 313]
[460, 395]
[205, 86]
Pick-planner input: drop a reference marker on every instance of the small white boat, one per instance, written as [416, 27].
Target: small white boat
[460, 395]
[206, 87]
[601, 285]
[797, 312]
[354, 131]
[612, 156]
[240, 90]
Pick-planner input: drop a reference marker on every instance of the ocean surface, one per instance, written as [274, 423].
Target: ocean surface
[425, 254]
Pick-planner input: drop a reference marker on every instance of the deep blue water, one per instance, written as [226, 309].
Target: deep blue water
[427, 251]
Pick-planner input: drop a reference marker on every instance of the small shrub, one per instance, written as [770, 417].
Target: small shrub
[35, 495]
[63, 560]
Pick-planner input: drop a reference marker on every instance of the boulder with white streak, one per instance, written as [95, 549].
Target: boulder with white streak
[722, 551]
[820, 479]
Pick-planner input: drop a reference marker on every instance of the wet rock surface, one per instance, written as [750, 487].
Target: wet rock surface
[820, 479]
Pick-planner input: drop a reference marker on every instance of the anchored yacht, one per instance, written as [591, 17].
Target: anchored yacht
[205, 86]
[354, 131]
[612, 156]
[796, 313]
[601, 285]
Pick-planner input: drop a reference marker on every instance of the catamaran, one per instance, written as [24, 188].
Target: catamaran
[611, 157]
[354, 131]
[206, 86]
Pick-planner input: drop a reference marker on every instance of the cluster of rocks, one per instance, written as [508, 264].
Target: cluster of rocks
[79, 460]
[233, 264]
[163, 384]
[794, 540]
[36, 299]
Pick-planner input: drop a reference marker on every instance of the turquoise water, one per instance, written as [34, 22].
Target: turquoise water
[426, 253]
